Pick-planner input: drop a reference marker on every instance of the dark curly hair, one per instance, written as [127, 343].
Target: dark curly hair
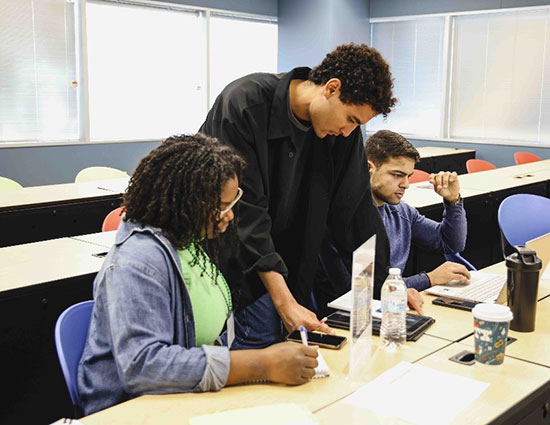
[364, 74]
[177, 188]
[386, 144]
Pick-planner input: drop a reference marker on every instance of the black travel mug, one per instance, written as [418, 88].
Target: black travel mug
[523, 284]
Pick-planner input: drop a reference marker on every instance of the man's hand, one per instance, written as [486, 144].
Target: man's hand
[446, 184]
[292, 314]
[415, 301]
[449, 271]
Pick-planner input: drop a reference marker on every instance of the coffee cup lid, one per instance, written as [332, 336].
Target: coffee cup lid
[493, 312]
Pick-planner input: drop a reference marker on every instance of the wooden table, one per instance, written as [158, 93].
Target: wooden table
[39, 213]
[103, 239]
[179, 408]
[511, 395]
[530, 346]
[38, 281]
[434, 159]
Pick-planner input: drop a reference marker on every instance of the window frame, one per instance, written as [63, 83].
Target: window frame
[82, 66]
[448, 53]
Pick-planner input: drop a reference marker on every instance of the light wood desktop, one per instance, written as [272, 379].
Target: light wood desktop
[509, 384]
[103, 239]
[40, 262]
[66, 192]
[507, 177]
[530, 346]
[453, 324]
[179, 408]
[431, 151]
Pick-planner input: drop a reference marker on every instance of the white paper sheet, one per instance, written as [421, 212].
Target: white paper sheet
[418, 394]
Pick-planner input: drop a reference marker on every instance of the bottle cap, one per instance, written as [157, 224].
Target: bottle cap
[395, 270]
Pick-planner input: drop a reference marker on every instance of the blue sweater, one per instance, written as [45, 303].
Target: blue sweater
[404, 224]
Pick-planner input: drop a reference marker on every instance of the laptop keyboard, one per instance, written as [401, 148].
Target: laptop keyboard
[483, 287]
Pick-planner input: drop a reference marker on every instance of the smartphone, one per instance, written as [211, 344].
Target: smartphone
[449, 302]
[338, 320]
[316, 338]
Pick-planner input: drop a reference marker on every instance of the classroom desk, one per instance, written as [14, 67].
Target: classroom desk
[482, 193]
[434, 159]
[103, 239]
[530, 346]
[512, 395]
[179, 408]
[39, 213]
[454, 325]
[37, 282]
[507, 177]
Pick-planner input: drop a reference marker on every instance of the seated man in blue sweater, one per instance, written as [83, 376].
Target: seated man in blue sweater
[391, 159]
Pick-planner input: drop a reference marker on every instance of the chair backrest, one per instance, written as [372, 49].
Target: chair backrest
[523, 217]
[457, 258]
[71, 331]
[8, 184]
[475, 165]
[526, 157]
[112, 220]
[99, 173]
[419, 176]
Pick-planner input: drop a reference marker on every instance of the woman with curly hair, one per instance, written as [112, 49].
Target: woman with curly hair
[160, 301]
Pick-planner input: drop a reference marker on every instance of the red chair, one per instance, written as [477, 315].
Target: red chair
[419, 176]
[526, 157]
[475, 165]
[112, 220]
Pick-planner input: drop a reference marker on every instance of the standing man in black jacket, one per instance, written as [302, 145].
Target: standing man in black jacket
[306, 176]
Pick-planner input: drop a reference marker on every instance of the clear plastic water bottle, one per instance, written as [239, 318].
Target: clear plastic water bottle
[394, 310]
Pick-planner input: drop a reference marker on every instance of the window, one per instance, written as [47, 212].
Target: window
[239, 47]
[501, 77]
[414, 50]
[146, 70]
[38, 100]
[494, 86]
[144, 84]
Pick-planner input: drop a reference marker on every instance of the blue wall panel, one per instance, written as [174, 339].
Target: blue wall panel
[35, 166]
[309, 29]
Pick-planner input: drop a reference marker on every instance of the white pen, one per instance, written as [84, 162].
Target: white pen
[303, 335]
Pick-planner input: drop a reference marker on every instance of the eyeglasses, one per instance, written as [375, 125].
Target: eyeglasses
[221, 213]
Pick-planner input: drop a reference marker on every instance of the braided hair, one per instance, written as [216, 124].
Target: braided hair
[177, 187]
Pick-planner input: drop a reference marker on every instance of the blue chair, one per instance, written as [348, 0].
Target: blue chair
[71, 332]
[524, 217]
[457, 258]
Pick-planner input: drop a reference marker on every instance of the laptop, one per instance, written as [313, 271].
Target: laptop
[541, 246]
[483, 288]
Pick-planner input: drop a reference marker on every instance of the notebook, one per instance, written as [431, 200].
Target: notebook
[322, 370]
[483, 288]
[541, 246]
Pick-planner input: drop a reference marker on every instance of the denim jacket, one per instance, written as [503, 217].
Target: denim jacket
[142, 334]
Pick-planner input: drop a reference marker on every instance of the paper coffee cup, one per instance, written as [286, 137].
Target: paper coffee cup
[491, 323]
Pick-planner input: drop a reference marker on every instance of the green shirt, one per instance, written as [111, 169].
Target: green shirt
[211, 300]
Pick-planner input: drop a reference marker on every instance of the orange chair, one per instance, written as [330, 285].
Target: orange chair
[419, 176]
[475, 165]
[526, 157]
[112, 220]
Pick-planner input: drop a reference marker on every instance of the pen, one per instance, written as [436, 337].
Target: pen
[303, 335]
[323, 320]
